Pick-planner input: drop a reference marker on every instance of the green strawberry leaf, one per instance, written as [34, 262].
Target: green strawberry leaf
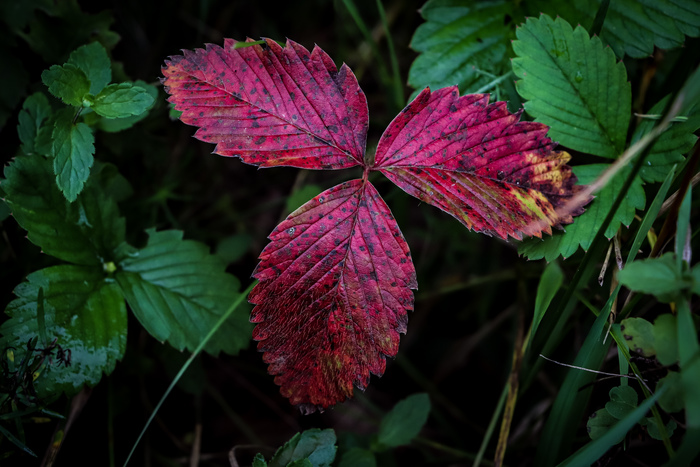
[73, 149]
[574, 84]
[92, 60]
[67, 82]
[83, 311]
[178, 291]
[122, 100]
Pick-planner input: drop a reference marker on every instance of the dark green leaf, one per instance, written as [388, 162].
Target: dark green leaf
[318, 446]
[549, 285]
[73, 149]
[259, 461]
[178, 291]
[653, 429]
[92, 60]
[35, 111]
[358, 457]
[462, 43]
[669, 149]
[599, 423]
[574, 84]
[658, 276]
[623, 400]
[404, 421]
[67, 82]
[84, 311]
[665, 339]
[82, 232]
[122, 100]
[673, 399]
[639, 334]
[585, 226]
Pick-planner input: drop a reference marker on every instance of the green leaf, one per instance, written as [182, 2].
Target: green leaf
[462, 43]
[318, 446]
[122, 100]
[634, 27]
[623, 400]
[114, 125]
[639, 334]
[84, 311]
[73, 149]
[358, 457]
[178, 291]
[549, 285]
[259, 461]
[92, 60]
[599, 423]
[688, 350]
[83, 232]
[35, 111]
[404, 421]
[669, 149]
[673, 399]
[665, 339]
[574, 84]
[585, 226]
[657, 276]
[653, 429]
[67, 82]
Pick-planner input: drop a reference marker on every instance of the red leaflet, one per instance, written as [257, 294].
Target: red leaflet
[271, 106]
[333, 294]
[476, 162]
[336, 279]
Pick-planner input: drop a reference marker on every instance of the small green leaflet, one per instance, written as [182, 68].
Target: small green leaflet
[92, 60]
[574, 84]
[404, 421]
[114, 125]
[35, 111]
[73, 149]
[122, 100]
[67, 82]
[83, 310]
[313, 447]
[178, 291]
[585, 226]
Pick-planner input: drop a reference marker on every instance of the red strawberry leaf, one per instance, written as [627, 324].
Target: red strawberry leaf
[334, 292]
[271, 106]
[476, 162]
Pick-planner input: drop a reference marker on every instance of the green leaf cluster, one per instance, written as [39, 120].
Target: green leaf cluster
[310, 448]
[67, 134]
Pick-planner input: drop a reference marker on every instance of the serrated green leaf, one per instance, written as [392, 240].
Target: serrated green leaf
[67, 82]
[358, 457]
[122, 100]
[673, 399]
[585, 226]
[83, 232]
[657, 276]
[462, 43]
[114, 125]
[634, 27]
[84, 311]
[92, 60]
[404, 421]
[178, 291]
[639, 334]
[669, 149]
[665, 339]
[36, 110]
[573, 84]
[73, 149]
[318, 446]
[259, 461]
[599, 423]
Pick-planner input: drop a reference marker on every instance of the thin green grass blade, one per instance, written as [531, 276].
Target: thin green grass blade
[492, 426]
[549, 285]
[600, 18]
[16, 441]
[196, 352]
[592, 451]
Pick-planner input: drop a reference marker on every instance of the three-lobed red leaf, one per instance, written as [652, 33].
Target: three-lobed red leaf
[336, 279]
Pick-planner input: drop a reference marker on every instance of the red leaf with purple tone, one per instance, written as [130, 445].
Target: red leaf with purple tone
[476, 162]
[333, 295]
[271, 106]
